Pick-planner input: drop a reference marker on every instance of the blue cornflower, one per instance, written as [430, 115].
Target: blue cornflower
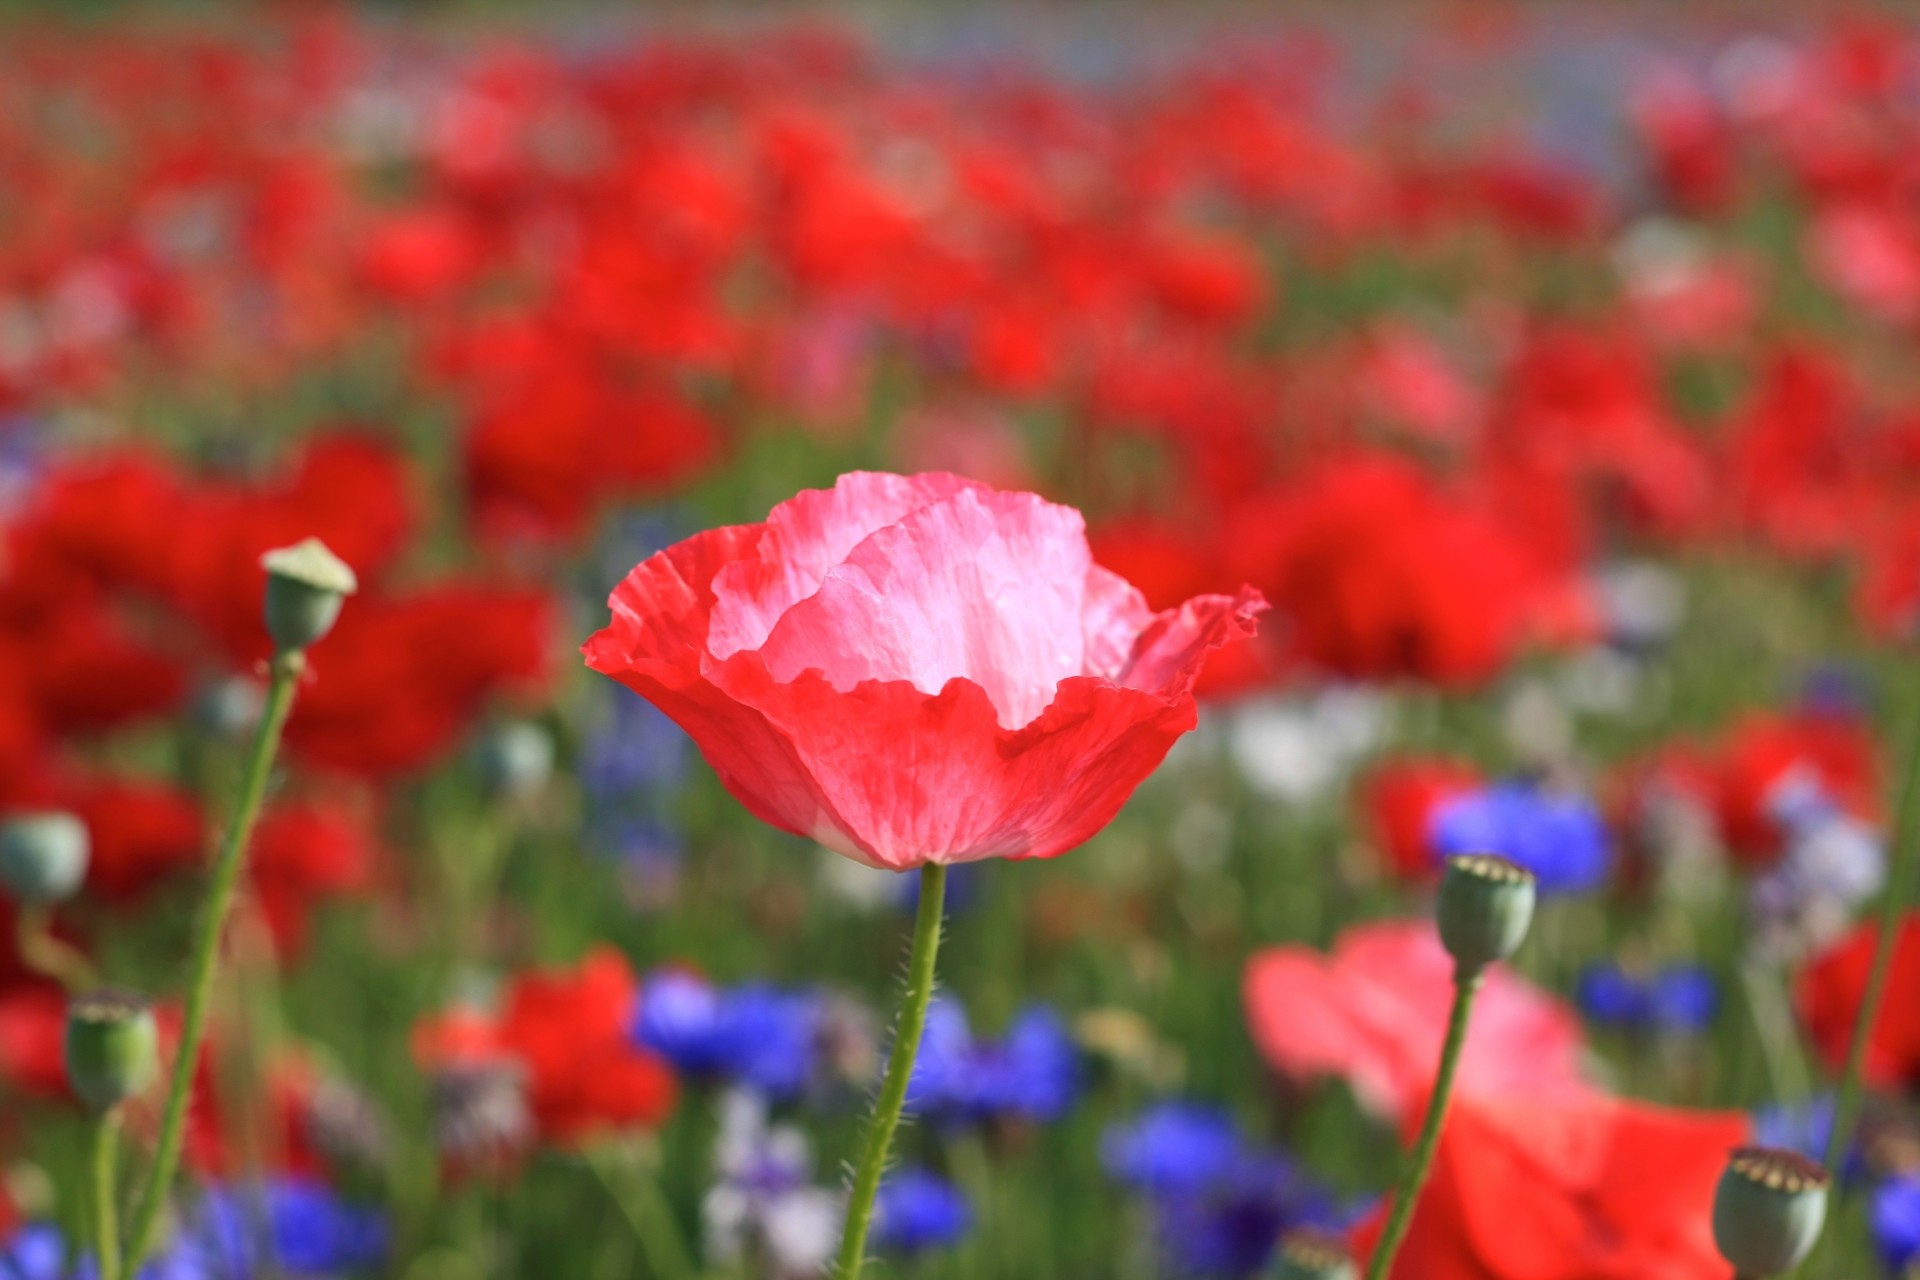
[1032, 1073]
[916, 1211]
[756, 1035]
[1804, 1126]
[1895, 1216]
[34, 1252]
[1172, 1147]
[313, 1233]
[1219, 1203]
[1230, 1228]
[1680, 1000]
[1557, 835]
[1684, 998]
[635, 749]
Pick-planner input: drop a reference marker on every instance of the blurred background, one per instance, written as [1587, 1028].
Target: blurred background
[1549, 368]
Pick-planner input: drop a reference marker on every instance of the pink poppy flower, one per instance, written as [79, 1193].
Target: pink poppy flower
[915, 669]
[1375, 1011]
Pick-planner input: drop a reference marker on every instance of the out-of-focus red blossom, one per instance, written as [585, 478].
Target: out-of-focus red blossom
[1574, 1187]
[1870, 256]
[1828, 992]
[217, 1140]
[547, 450]
[1798, 459]
[402, 678]
[1169, 565]
[922, 627]
[1688, 141]
[569, 1030]
[1584, 408]
[1413, 386]
[1764, 756]
[94, 520]
[418, 255]
[1399, 799]
[303, 854]
[1887, 597]
[140, 832]
[350, 491]
[1374, 1013]
[33, 1023]
[1377, 574]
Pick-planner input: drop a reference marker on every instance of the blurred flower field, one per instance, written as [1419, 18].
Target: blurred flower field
[1508, 425]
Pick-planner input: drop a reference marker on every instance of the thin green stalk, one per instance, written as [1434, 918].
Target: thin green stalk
[647, 1212]
[1899, 893]
[893, 1090]
[43, 951]
[1465, 986]
[286, 670]
[1779, 1045]
[106, 1221]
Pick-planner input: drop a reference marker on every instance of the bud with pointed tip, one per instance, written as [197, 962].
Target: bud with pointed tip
[113, 1046]
[1313, 1255]
[1486, 904]
[1768, 1210]
[306, 584]
[43, 856]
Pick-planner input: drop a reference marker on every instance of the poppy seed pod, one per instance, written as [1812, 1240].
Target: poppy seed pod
[1486, 904]
[306, 584]
[1768, 1210]
[112, 1046]
[1313, 1255]
[515, 759]
[43, 856]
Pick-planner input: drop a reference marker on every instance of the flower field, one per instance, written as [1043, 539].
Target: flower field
[959, 649]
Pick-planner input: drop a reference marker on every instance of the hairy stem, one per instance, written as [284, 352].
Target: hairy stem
[893, 1090]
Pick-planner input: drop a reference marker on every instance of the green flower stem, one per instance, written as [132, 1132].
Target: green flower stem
[893, 1091]
[106, 1221]
[1846, 1110]
[285, 678]
[1465, 987]
[647, 1212]
[46, 954]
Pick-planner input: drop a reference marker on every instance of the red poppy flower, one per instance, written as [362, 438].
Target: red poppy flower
[33, 1024]
[1379, 576]
[1567, 1188]
[1765, 757]
[302, 854]
[1375, 1011]
[570, 1031]
[400, 680]
[915, 669]
[1400, 798]
[282, 1126]
[1830, 988]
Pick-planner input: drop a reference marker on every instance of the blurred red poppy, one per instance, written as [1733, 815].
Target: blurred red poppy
[570, 1031]
[1828, 992]
[1374, 1012]
[1567, 1188]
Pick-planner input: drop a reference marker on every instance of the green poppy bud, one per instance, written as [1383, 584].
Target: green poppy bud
[1313, 1255]
[1768, 1210]
[1486, 904]
[113, 1046]
[515, 759]
[306, 584]
[43, 856]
